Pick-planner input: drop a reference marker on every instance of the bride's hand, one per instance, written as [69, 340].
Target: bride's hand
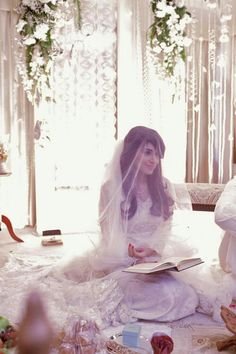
[140, 252]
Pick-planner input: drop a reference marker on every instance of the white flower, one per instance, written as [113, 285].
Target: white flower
[29, 95]
[47, 9]
[157, 49]
[180, 26]
[33, 66]
[179, 41]
[174, 16]
[162, 45]
[44, 1]
[29, 41]
[170, 10]
[41, 31]
[48, 66]
[20, 25]
[32, 4]
[161, 5]
[172, 20]
[160, 14]
[168, 49]
[28, 84]
[187, 19]
[187, 41]
[43, 79]
[40, 61]
[26, 2]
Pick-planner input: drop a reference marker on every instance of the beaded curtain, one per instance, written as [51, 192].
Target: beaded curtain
[210, 91]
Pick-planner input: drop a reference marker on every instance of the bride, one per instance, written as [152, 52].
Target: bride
[136, 211]
[137, 220]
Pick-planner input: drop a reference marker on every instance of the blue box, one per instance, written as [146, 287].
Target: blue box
[130, 335]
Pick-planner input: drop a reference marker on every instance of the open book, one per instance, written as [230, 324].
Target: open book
[171, 263]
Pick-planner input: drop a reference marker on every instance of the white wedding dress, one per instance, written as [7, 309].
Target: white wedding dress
[119, 297]
[110, 297]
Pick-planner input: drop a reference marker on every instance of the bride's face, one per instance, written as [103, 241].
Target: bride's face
[148, 159]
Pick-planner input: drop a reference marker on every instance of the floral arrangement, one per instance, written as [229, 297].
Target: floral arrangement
[38, 28]
[167, 37]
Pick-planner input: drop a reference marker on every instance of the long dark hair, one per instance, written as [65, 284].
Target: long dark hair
[137, 138]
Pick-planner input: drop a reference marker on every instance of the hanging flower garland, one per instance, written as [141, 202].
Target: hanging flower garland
[167, 37]
[38, 28]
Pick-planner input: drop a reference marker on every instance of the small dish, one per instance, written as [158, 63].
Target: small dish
[144, 346]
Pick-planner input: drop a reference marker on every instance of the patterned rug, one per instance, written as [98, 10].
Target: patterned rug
[200, 339]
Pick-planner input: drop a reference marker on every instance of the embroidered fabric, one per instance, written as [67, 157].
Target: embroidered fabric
[63, 298]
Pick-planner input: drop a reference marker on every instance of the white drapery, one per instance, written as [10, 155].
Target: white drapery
[16, 120]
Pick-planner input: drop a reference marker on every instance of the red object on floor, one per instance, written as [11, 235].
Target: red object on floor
[8, 224]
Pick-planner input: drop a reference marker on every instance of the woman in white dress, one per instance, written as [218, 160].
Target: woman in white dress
[136, 207]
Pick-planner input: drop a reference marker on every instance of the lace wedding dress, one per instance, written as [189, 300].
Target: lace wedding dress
[119, 297]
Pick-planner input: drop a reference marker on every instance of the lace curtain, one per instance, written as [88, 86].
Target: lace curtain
[79, 129]
[17, 200]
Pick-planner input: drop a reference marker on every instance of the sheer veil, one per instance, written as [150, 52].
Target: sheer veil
[123, 216]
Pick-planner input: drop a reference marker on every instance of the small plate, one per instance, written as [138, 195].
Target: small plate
[144, 346]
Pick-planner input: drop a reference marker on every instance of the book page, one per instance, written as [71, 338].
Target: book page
[143, 266]
[184, 264]
[149, 267]
[178, 260]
